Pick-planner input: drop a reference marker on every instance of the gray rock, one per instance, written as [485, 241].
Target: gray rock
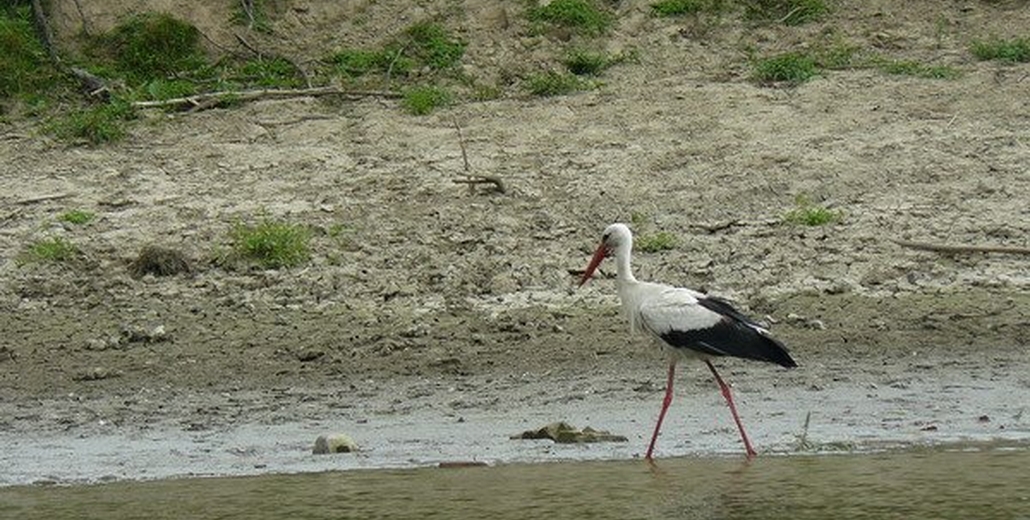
[334, 443]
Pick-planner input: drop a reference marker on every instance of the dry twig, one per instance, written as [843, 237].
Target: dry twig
[474, 179]
[44, 198]
[251, 95]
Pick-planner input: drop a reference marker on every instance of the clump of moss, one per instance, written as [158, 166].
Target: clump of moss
[159, 261]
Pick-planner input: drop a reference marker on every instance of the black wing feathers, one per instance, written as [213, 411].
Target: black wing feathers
[734, 335]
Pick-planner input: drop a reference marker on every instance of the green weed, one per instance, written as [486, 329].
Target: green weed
[670, 8]
[271, 72]
[271, 244]
[583, 63]
[52, 250]
[806, 213]
[161, 89]
[914, 68]
[77, 217]
[97, 125]
[24, 67]
[423, 100]
[791, 67]
[553, 83]
[152, 46]
[358, 62]
[431, 44]
[1012, 51]
[486, 92]
[424, 44]
[579, 15]
[660, 241]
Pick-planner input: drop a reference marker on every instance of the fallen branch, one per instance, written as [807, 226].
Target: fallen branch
[951, 249]
[251, 95]
[44, 198]
[483, 179]
[472, 179]
[94, 86]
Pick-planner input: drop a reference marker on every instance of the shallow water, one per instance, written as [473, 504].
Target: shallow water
[959, 483]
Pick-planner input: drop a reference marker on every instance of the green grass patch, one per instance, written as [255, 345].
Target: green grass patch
[805, 213]
[552, 83]
[914, 68]
[788, 12]
[585, 63]
[431, 44]
[52, 250]
[271, 244]
[996, 49]
[836, 56]
[151, 46]
[77, 217]
[161, 89]
[672, 8]
[653, 243]
[423, 100]
[358, 62]
[270, 72]
[481, 92]
[582, 16]
[790, 67]
[423, 44]
[96, 125]
[24, 67]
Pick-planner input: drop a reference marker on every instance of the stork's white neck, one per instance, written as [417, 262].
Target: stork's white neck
[623, 271]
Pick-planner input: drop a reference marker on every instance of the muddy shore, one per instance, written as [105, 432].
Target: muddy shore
[426, 302]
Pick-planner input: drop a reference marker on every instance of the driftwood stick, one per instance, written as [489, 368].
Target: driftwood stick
[473, 179]
[461, 142]
[250, 95]
[951, 249]
[44, 198]
[484, 179]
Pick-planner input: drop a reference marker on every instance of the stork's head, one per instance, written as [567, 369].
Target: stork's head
[616, 237]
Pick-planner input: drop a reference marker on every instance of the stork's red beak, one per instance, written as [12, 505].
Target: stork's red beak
[599, 256]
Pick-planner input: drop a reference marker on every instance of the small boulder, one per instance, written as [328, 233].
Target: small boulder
[335, 443]
[565, 433]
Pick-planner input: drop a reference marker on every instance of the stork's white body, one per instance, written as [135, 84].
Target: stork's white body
[688, 323]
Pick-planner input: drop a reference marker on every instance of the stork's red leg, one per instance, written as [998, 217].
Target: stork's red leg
[733, 409]
[665, 407]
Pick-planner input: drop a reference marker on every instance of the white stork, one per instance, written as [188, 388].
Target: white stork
[689, 323]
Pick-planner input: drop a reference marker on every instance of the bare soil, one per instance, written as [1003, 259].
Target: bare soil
[424, 294]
